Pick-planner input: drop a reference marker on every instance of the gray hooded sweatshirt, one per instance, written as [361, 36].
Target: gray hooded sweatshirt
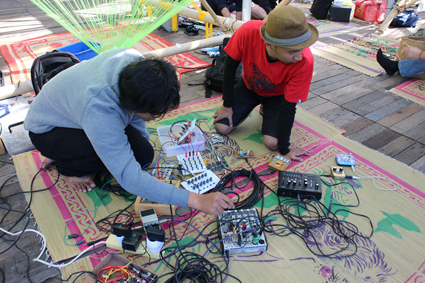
[86, 96]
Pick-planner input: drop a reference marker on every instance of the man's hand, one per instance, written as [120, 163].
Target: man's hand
[296, 152]
[223, 112]
[213, 203]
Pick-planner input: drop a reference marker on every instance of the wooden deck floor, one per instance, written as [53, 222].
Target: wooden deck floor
[359, 104]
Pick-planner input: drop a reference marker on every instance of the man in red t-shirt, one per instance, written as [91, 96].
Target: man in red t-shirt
[277, 71]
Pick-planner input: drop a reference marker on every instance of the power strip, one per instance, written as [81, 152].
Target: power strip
[191, 163]
[231, 222]
[279, 162]
[187, 130]
[337, 172]
[293, 184]
[201, 183]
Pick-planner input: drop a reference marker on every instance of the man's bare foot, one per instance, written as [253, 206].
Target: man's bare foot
[82, 184]
[47, 162]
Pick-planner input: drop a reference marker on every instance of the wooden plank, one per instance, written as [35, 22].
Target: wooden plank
[367, 132]
[396, 146]
[328, 81]
[411, 154]
[356, 126]
[389, 108]
[325, 75]
[381, 139]
[375, 104]
[322, 108]
[339, 116]
[336, 85]
[419, 164]
[347, 93]
[363, 100]
[401, 114]
[416, 132]
[310, 103]
[409, 122]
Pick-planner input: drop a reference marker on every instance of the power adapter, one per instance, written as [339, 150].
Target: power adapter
[121, 230]
[337, 172]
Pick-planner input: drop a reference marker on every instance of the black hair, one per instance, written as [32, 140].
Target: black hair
[149, 85]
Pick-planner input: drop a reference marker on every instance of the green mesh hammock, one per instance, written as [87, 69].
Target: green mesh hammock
[110, 23]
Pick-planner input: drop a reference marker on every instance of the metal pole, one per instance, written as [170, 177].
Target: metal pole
[246, 10]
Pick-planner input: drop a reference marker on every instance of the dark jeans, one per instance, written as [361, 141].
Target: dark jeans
[75, 155]
[245, 100]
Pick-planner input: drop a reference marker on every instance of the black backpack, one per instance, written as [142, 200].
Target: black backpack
[49, 65]
[214, 72]
[407, 18]
[320, 8]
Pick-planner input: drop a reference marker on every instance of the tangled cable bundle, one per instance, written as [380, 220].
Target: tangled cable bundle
[257, 190]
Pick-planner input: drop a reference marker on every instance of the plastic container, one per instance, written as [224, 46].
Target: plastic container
[370, 11]
[80, 50]
[197, 144]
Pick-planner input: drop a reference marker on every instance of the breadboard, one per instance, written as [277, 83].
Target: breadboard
[201, 183]
[161, 209]
[186, 129]
[279, 162]
[218, 165]
[163, 172]
[231, 222]
[191, 163]
[293, 184]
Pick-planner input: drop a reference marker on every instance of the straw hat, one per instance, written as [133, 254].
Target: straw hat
[287, 27]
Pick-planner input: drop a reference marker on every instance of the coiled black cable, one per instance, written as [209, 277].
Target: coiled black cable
[252, 198]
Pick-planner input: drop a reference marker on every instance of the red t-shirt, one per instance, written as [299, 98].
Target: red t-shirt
[263, 77]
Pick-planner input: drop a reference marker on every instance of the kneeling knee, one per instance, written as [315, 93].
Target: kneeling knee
[271, 143]
[222, 129]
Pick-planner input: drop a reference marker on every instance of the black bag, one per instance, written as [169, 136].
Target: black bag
[49, 65]
[407, 18]
[214, 73]
[320, 8]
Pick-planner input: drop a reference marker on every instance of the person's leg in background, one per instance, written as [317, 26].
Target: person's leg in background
[410, 67]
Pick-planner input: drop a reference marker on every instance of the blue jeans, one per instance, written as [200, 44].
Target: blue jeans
[410, 67]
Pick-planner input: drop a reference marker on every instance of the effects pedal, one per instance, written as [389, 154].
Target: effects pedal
[279, 162]
[291, 184]
[247, 154]
[191, 163]
[345, 159]
[337, 172]
[201, 183]
[231, 227]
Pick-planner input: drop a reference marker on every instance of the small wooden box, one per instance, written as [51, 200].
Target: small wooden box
[160, 209]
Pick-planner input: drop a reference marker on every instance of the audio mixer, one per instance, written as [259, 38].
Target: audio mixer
[241, 231]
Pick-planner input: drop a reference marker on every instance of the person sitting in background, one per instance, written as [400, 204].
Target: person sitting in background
[276, 74]
[415, 64]
[226, 7]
